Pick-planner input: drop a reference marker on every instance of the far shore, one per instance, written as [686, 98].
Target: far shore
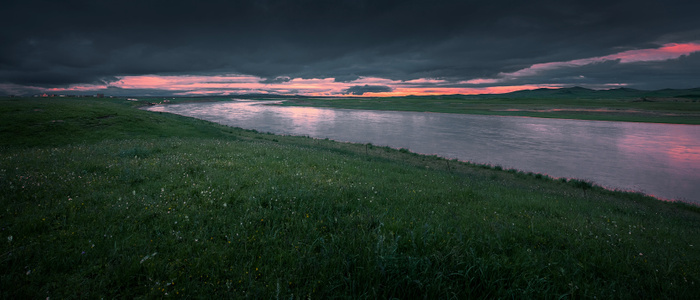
[617, 110]
[620, 110]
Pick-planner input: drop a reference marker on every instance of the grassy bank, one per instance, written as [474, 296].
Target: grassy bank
[652, 110]
[98, 199]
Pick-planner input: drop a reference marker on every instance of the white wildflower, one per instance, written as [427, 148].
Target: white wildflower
[145, 258]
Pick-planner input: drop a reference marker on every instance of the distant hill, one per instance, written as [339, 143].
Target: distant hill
[584, 93]
[575, 93]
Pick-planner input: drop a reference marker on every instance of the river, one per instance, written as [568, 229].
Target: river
[662, 160]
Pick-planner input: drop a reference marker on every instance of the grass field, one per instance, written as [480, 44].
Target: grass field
[586, 107]
[99, 199]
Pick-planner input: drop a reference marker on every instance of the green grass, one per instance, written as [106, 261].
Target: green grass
[680, 111]
[148, 205]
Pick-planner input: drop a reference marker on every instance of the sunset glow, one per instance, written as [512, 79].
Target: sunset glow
[234, 84]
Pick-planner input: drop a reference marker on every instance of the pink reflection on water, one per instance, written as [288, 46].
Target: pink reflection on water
[680, 151]
[683, 154]
[676, 149]
[307, 118]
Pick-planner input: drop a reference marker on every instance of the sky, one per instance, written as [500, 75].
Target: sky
[345, 47]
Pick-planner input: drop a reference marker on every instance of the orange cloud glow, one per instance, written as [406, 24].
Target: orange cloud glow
[187, 85]
[434, 91]
[232, 84]
[177, 83]
[242, 84]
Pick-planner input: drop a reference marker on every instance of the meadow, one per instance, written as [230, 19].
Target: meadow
[101, 200]
[664, 106]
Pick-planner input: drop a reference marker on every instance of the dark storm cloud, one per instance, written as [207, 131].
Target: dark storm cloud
[683, 72]
[53, 43]
[362, 89]
[280, 79]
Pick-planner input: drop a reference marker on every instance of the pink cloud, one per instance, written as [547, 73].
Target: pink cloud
[232, 85]
[238, 84]
[425, 81]
[373, 81]
[668, 51]
[433, 91]
[480, 81]
[174, 83]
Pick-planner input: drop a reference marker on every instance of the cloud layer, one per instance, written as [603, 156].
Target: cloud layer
[351, 46]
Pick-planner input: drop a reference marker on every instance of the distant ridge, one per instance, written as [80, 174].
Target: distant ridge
[575, 92]
[581, 92]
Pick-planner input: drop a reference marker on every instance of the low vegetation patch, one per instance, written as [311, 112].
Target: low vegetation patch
[152, 205]
[586, 107]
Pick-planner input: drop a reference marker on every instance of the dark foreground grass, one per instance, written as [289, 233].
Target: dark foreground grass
[147, 205]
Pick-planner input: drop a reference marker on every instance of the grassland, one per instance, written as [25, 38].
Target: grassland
[98, 199]
[582, 105]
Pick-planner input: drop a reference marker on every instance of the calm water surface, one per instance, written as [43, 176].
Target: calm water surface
[657, 159]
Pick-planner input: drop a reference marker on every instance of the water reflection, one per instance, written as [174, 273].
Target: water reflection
[658, 159]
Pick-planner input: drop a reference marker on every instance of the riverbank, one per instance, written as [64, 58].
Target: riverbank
[103, 200]
[557, 147]
[652, 110]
